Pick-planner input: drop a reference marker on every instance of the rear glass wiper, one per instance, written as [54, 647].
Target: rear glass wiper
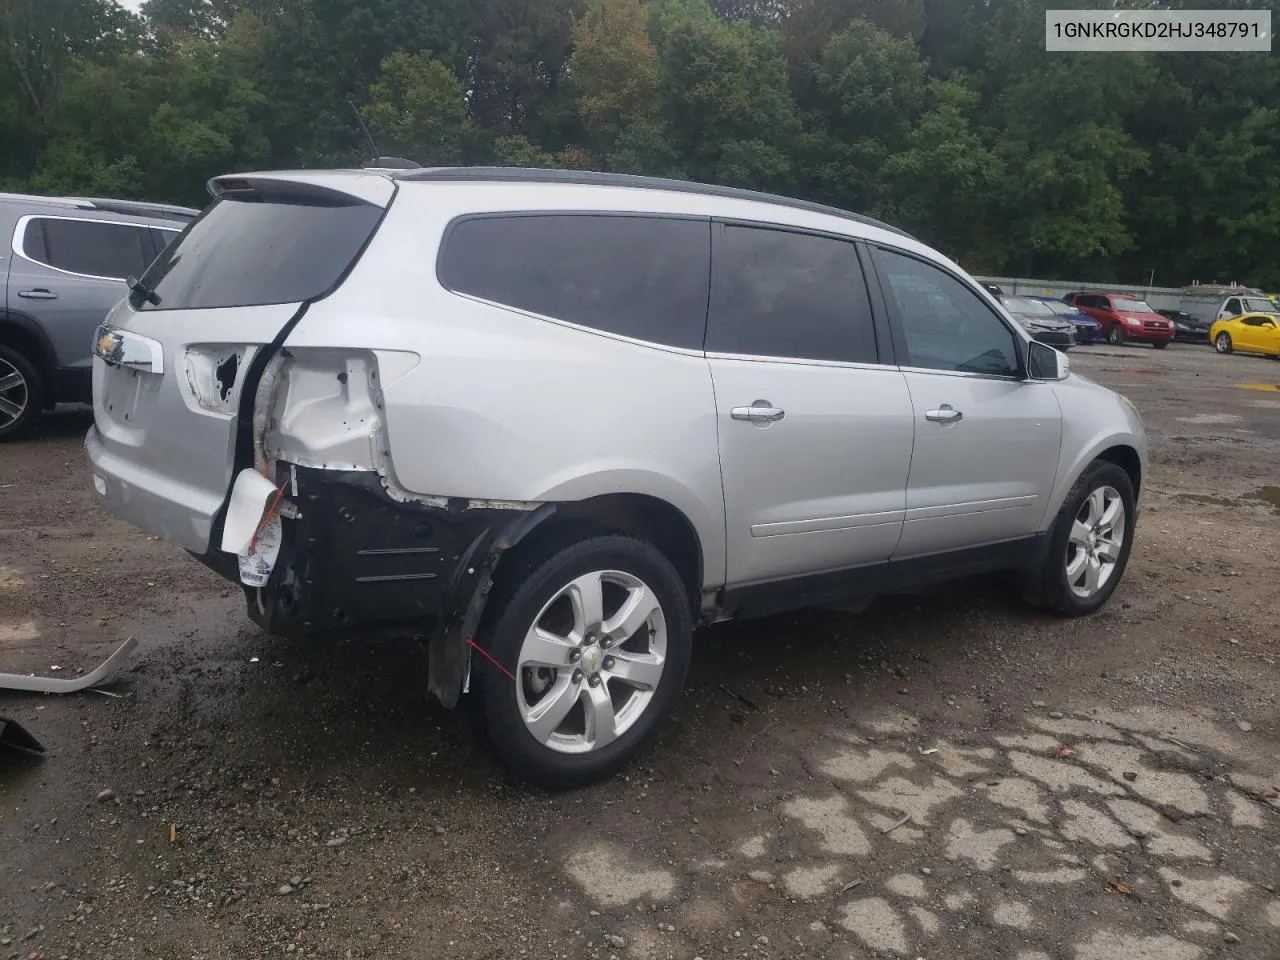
[143, 291]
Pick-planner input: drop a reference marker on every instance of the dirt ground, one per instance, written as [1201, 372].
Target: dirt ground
[943, 776]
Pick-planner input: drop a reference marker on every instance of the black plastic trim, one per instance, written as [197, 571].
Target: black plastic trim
[766, 597]
[354, 558]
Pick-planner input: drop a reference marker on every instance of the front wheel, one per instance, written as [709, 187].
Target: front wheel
[595, 641]
[1160, 344]
[1222, 342]
[1115, 335]
[1089, 543]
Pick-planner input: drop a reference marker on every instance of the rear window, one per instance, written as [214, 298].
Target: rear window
[254, 251]
[641, 277]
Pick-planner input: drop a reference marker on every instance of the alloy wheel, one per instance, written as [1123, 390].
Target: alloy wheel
[591, 661]
[15, 394]
[1095, 543]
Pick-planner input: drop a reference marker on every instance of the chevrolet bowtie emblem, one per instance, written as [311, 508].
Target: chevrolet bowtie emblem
[108, 344]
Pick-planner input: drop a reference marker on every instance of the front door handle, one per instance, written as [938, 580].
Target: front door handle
[944, 414]
[39, 293]
[762, 411]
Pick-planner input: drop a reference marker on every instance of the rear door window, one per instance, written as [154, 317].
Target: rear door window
[93, 248]
[636, 276]
[792, 295]
[259, 250]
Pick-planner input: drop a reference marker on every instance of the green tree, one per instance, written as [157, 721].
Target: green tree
[614, 69]
[417, 109]
[724, 92]
[944, 183]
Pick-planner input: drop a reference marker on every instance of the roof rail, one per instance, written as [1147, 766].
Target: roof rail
[35, 198]
[588, 177]
[143, 208]
[137, 208]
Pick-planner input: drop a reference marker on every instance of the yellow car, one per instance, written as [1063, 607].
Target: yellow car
[1248, 333]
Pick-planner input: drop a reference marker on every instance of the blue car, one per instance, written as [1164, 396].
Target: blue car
[1088, 330]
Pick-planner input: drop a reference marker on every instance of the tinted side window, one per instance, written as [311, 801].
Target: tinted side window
[33, 241]
[1233, 306]
[945, 325]
[642, 277]
[92, 247]
[780, 294]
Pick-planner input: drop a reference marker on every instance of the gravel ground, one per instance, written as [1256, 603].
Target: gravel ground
[945, 775]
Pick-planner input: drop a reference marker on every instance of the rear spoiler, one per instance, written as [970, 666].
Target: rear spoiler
[305, 186]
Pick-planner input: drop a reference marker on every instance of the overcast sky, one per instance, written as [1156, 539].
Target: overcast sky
[131, 4]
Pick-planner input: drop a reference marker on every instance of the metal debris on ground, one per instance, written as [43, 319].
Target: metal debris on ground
[17, 681]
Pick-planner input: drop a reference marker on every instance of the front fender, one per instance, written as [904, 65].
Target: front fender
[1095, 420]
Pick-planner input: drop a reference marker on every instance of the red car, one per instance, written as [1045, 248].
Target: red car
[1124, 317]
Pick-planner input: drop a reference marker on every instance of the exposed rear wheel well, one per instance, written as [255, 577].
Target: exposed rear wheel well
[29, 345]
[631, 514]
[1126, 458]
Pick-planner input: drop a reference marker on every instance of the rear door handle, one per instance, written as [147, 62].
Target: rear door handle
[39, 293]
[944, 414]
[762, 411]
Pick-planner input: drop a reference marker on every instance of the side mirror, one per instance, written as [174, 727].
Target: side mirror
[1046, 363]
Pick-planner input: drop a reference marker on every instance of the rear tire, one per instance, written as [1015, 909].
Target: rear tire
[596, 637]
[1089, 544]
[21, 394]
[1222, 342]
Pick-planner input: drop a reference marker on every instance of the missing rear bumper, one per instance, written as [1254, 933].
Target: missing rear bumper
[355, 558]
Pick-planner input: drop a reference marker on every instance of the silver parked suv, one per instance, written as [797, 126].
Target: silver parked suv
[63, 265]
[551, 421]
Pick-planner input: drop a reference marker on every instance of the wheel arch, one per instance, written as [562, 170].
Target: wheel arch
[21, 333]
[1125, 450]
[1127, 458]
[639, 515]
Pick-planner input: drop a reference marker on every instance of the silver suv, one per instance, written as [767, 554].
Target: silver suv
[65, 266]
[551, 421]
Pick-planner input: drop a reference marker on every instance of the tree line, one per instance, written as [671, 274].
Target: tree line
[945, 117]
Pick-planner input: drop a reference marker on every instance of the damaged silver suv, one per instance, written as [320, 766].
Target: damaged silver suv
[551, 421]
